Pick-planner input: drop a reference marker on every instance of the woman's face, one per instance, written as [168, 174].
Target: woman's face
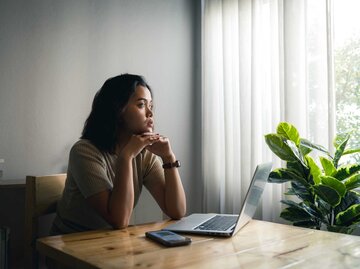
[137, 116]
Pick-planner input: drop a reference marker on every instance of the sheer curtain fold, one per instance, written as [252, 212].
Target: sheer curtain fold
[255, 73]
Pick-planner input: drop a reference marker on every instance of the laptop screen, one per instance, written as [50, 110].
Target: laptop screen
[253, 195]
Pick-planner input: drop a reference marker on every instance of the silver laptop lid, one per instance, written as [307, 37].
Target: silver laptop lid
[253, 195]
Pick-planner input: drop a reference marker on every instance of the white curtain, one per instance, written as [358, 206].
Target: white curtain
[263, 61]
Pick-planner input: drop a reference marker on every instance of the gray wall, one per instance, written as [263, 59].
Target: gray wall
[54, 56]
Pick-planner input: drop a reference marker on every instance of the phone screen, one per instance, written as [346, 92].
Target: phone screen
[168, 238]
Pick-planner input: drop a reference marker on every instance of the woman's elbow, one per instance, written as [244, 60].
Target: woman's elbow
[120, 224]
[176, 217]
[178, 214]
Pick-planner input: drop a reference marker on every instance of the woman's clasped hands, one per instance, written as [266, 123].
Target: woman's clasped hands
[153, 142]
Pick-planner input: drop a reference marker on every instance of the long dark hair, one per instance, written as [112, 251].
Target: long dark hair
[101, 125]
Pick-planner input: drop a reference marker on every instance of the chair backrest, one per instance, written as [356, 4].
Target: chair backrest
[41, 196]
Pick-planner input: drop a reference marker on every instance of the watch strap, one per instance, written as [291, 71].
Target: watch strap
[171, 165]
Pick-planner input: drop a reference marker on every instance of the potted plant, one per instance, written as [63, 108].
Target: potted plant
[325, 188]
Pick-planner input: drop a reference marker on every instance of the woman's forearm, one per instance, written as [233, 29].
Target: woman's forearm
[175, 200]
[122, 197]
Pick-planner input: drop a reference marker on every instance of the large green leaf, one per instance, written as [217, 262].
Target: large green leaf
[328, 166]
[308, 144]
[350, 198]
[277, 145]
[340, 150]
[352, 182]
[328, 194]
[339, 139]
[304, 193]
[315, 171]
[294, 214]
[314, 211]
[304, 150]
[288, 131]
[296, 151]
[351, 151]
[282, 175]
[332, 182]
[348, 216]
[310, 208]
[298, 168]
[323, 206]
[346, 171]
[291, 203]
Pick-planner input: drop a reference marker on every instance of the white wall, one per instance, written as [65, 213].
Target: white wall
[54, 56]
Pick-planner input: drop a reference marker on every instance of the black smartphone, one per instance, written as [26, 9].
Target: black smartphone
[168, 238]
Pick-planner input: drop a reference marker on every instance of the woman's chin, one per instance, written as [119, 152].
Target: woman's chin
[147, 130]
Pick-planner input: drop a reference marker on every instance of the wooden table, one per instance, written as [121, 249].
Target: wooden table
[259, 244]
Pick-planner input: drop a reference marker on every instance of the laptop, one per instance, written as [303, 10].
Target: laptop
[226, 224]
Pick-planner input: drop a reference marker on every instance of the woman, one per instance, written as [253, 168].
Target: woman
[118, 153]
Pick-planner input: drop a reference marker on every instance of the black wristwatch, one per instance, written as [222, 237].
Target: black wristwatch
[171, 165]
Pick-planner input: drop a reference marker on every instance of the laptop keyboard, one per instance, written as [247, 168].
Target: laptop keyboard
[218, 223]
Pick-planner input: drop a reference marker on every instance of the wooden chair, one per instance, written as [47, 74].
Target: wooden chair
[41, 196]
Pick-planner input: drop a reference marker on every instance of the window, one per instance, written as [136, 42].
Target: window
[347, 68]
[268, 61]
